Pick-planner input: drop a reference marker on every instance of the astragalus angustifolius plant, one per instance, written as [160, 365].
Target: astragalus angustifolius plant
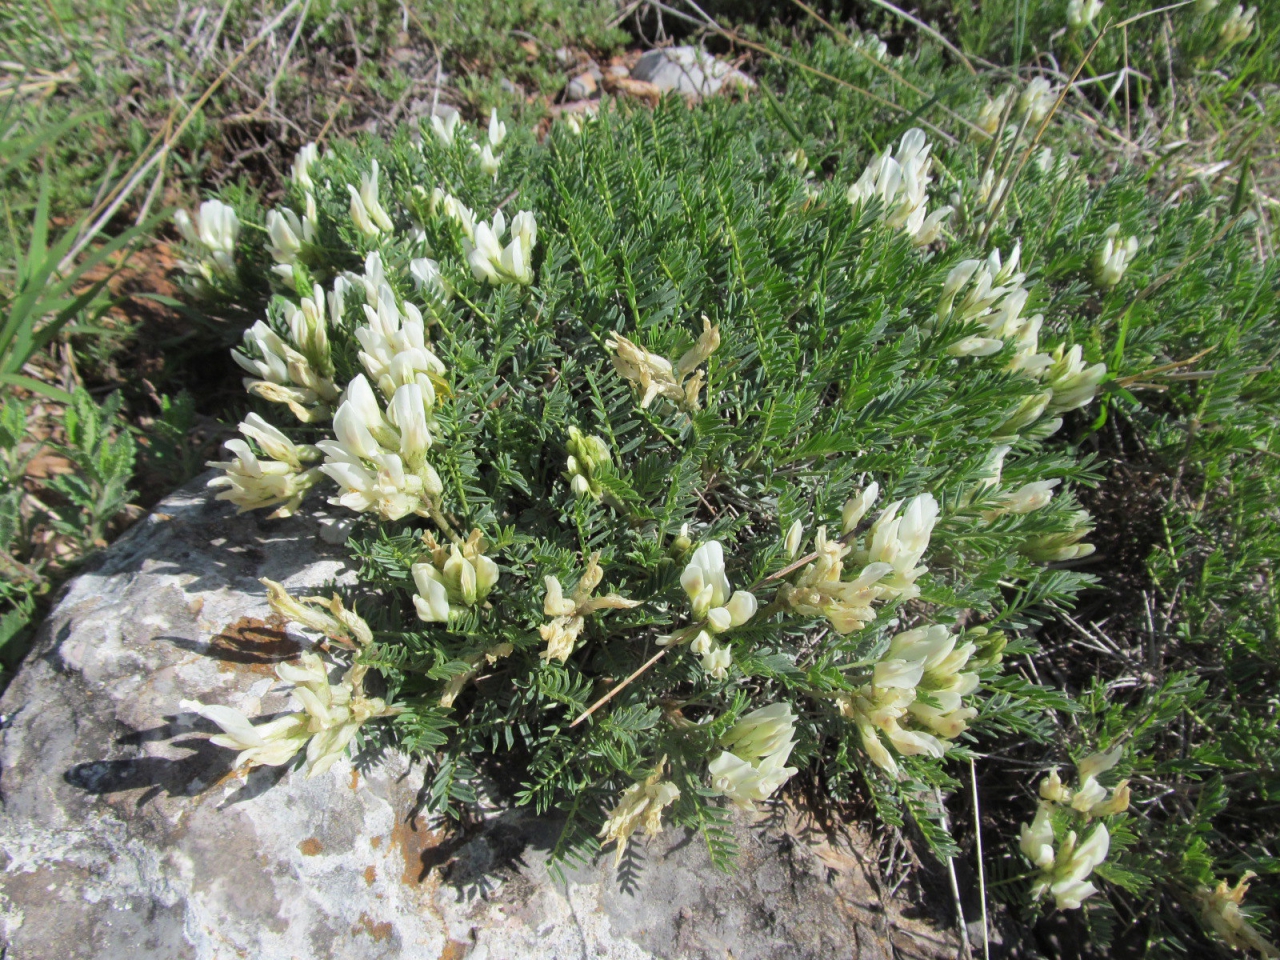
[672, 471]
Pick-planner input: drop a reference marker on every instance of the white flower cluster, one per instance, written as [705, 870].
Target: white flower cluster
[212, 236]
[588, 455]
[452, 577]
[327, 715]
[379, 456]
[656, 376]
[1113, 257]
[445, 126]
[489, 161]
[1238, 25]
[277, 477]
[887, 562]
[716, 606]
[641, 803]
[1033, 495]
[1059, 547]
[1038, 98]
[752, 764]
[921, 680]
[489, 260]
[990, 113]
[1090, 798]
[297, 371]
[901, 183]
[1064, 873]
[990, 292]
[569, 614]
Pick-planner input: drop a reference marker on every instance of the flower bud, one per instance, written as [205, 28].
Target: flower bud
[791, 544]
[460, 577]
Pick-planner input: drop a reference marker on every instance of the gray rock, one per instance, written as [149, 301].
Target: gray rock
[581, 87]
[688, 70]
[125, 835]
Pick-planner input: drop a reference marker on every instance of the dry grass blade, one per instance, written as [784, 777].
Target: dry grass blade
[125, 190]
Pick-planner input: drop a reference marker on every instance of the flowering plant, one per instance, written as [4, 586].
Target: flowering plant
[673, 497]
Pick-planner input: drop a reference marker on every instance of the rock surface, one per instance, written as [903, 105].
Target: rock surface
[124, 834]
[688, 70]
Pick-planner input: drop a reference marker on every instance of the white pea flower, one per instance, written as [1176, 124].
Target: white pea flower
[655, 376]
[641, 803]
[900, 542]
[756, 748]
[300, 171]
[791, 543]
[900, 181]
[494, 264]
[394, 349]
[1058, 547]
[1081, 13]
[767, 730]
[432, 599]
[281, 373]
[427, 276]
[704, 579]
[992, 110]
[366, 209]
[856, 507]
[1037, 99]
[1025, 499]
[1238, 25]
[328, 720]
[1036, 841]
[489, 162]
[1113, 257]
[286, 235]
[378, 458]
[497, 130]
[270, 744]
[569, 614]
[254, 483]
[717, 661]
[1073, 383]
[446, 126]
[1066, 878]
[212, 234]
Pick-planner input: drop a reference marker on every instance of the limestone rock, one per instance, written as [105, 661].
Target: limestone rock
[690, 71]
[125, 835]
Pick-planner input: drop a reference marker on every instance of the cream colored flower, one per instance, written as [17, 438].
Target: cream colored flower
[569, 613]
[281, 373]
[1238, 25]
[900, 182]
[254, 483]
[1113, 257]
[1074, 385]
[656, 376]
[212, 235]
[303, 161]
[492, 263]
[338, 623]
[1036, 840]
[641, 804]
[1220, 909]
[1037, 99]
